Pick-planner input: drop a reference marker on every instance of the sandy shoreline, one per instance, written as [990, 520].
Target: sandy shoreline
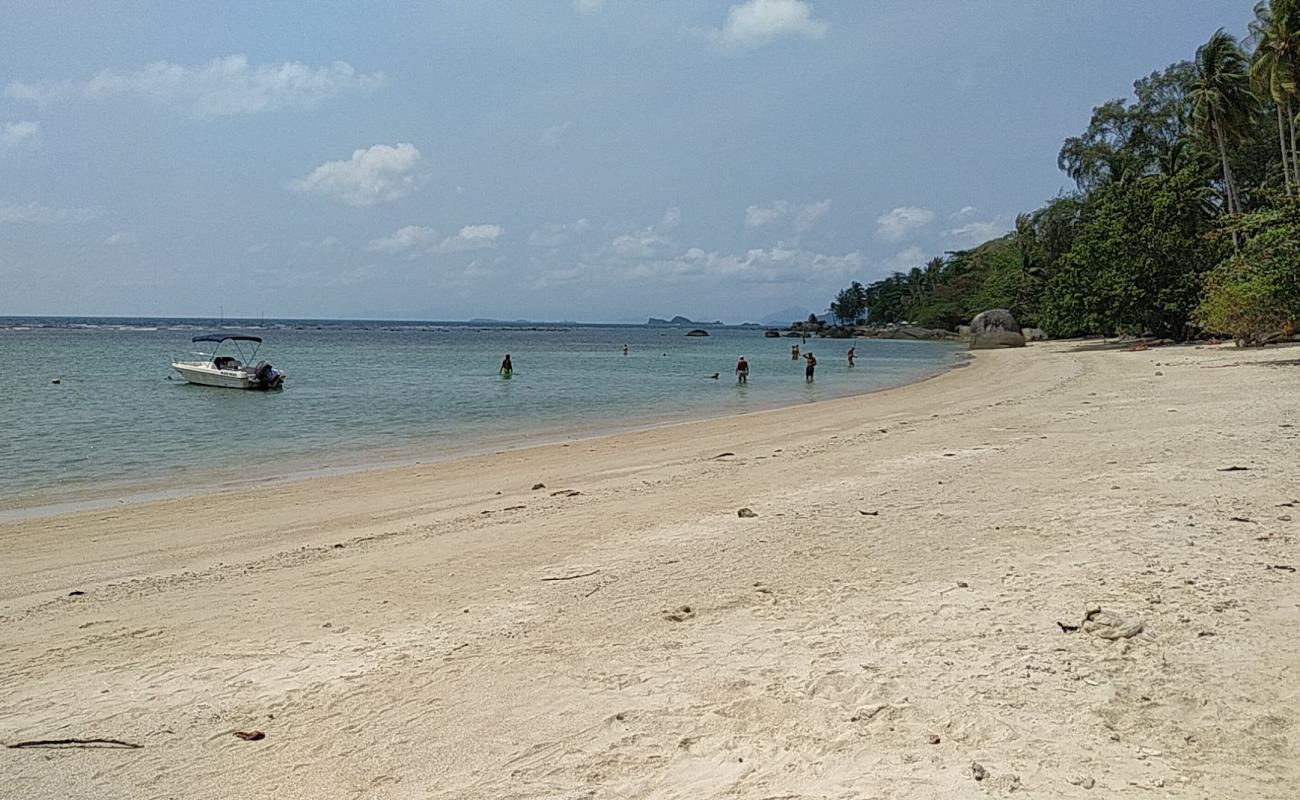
[445, 630]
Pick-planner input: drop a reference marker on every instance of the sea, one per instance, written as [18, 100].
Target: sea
[119, 422]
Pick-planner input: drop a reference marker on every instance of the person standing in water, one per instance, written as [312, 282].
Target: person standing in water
[506, 368]
[851, 354]
[808, 370]
[794, 352]
[742, 371]
[624, 349]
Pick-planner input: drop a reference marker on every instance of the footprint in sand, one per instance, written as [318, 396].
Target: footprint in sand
[679, 614]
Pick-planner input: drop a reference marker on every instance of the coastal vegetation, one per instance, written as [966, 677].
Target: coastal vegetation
[1184, 219]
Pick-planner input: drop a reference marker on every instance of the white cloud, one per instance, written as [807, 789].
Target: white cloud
[555, 234]
[906, 259]
[121, 238]
[963, 212]
[221, 87]
[755, 23]
[472, 237]
[417, 239]
[809, 215]
[588, 6]
[973, 233]
[376, 174]
[636, 258]
[37, 214]
[19, 134]
[671, 219]
[898, 223]
[646, 244]
[760, 216]
[411, 237]
[805, 217]
[553, 135]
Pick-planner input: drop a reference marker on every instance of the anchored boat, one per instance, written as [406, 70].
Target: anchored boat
[229, 372]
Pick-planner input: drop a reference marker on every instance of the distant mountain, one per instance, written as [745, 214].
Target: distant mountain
[678, 320]
[786, 316]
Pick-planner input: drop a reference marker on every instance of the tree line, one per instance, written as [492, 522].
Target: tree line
[1184, 219]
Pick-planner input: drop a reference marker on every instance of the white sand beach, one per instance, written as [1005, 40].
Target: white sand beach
[888, 617]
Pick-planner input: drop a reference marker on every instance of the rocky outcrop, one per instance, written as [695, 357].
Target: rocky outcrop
[1034, 334]
[697, 332]
[995, 328]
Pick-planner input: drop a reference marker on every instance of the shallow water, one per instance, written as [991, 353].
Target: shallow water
[371, 392]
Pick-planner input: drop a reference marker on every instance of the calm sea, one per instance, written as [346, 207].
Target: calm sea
[363, 393]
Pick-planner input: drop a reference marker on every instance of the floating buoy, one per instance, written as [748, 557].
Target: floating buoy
[56, 380]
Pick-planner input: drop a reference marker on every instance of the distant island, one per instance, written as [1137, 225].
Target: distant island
[679, 320]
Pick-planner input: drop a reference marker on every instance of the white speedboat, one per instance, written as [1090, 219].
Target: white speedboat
[229, 372]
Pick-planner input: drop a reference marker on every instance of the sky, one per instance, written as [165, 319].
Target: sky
[590, 160]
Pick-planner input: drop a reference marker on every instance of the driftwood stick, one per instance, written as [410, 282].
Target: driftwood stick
[569, 577]
[116, 743]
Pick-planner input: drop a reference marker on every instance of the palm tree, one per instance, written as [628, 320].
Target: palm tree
[1272, 73]
[1221, 100]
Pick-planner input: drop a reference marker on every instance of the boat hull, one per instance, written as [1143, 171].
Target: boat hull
[207, 375]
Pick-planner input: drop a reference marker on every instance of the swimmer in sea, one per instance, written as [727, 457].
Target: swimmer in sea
[506, 368]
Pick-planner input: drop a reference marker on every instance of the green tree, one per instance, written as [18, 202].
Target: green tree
[1221, 101]
[1136, 265]
[1255, 293]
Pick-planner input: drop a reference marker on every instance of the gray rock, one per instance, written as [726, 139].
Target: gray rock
[995, 319]
[995, 328]
[996, 339]
[1034, 334]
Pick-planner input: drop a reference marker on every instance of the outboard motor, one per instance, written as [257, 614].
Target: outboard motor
[268, 376]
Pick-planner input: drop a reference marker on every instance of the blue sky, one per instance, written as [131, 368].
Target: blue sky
[598, 161]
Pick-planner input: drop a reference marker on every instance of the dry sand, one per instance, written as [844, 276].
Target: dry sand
[447, 631]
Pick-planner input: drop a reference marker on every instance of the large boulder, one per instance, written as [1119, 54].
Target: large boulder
[995, 328]
[1034, 334]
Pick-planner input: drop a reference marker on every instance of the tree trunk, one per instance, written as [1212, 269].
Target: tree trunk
[1281, 143]
[1295, 156]
[1227, 177]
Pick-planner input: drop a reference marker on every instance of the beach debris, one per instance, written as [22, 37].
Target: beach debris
[1233, 468]
[1159, 374]
[977, 771]
[1241, 519]
[75, 593]
[727, 454]
[514, 508]
[1281, 567]
[56, 380]
[963, 585]
[933, 738]
[746, 513]
[680, 614]
[573, 574]
[537, 486]
[250, 736]
[1104, 624]
[566, 493]
[869, 513]
[107, 744]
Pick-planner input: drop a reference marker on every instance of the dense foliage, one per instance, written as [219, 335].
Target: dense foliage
[1184, 220]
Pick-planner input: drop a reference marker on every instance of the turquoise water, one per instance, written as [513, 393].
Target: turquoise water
[365, 393]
